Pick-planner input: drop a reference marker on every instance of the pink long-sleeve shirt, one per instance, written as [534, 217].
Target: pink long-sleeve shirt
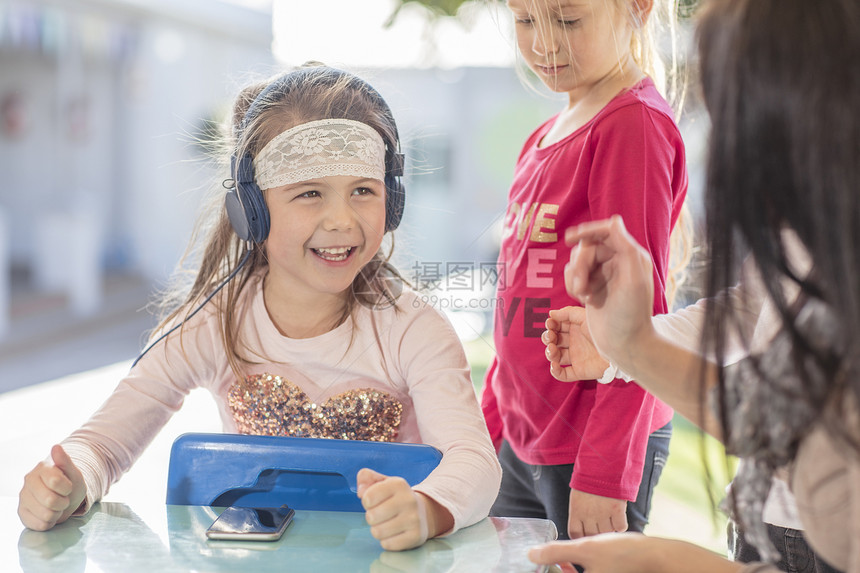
[408, 353]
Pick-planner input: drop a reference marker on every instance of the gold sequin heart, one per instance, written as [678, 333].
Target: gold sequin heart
[269, 405]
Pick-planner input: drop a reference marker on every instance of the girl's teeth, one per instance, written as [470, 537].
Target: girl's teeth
[336, 254]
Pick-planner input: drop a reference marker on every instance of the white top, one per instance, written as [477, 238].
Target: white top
[409, 352]
[758, 323]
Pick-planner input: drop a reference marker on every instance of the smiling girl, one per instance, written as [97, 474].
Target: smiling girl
[311, 317]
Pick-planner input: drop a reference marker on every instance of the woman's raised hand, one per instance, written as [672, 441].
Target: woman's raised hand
[611, 274]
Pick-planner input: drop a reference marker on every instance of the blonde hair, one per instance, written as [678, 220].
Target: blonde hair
[667, 72]
[311, 92]
[671, 79]
[661, 20]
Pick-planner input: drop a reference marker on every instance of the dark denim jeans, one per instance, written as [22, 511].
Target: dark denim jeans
[797, 556]
[544, 491]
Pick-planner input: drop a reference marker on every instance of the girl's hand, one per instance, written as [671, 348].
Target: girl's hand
[631, 553]
[590, 514]
[399, 517]
[612, 275]
[52, 491]
[571, 354]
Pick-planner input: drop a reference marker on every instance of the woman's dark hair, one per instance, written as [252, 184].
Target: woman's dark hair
[781, 81]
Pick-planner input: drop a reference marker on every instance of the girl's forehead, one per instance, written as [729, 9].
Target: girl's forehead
[320, 148]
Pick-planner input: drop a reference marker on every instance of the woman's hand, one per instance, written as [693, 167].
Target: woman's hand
[52, 492]
[631, 553]
[571, 354]
[399, 517]
[612, 276]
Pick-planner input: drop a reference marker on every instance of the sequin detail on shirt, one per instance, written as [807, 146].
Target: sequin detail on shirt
[269, 405]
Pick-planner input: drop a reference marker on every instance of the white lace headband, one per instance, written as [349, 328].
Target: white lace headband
[320, 149]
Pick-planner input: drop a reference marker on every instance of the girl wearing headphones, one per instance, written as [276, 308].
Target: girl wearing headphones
[298, 324]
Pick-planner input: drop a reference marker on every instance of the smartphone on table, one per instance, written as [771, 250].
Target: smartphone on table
[251, 523]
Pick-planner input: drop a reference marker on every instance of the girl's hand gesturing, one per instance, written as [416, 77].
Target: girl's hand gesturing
[399, 517]
[571, 354]
[52, 492]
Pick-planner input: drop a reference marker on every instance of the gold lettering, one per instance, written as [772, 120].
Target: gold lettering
[525, 221]
[542, 221]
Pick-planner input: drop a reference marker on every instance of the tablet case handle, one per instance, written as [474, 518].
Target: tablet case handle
[304, 473]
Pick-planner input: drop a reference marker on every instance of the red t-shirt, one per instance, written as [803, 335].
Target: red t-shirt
[628, 160]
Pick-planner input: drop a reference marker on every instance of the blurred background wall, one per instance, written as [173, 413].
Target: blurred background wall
[100, 105]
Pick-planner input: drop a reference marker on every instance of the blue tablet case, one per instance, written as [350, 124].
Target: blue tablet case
[267, 471]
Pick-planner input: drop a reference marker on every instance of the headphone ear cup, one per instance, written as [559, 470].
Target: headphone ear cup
[246, 206]
[395, 202]
[236, 215]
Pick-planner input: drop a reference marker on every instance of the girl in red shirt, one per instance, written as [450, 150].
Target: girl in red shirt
[585, 455]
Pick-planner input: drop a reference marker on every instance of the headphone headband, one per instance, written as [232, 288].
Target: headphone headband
[398, 161]
[245, 203]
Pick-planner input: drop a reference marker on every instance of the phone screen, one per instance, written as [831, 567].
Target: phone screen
[251, 523]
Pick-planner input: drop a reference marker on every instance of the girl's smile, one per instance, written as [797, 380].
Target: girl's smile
[333, 254]
[323, 233]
